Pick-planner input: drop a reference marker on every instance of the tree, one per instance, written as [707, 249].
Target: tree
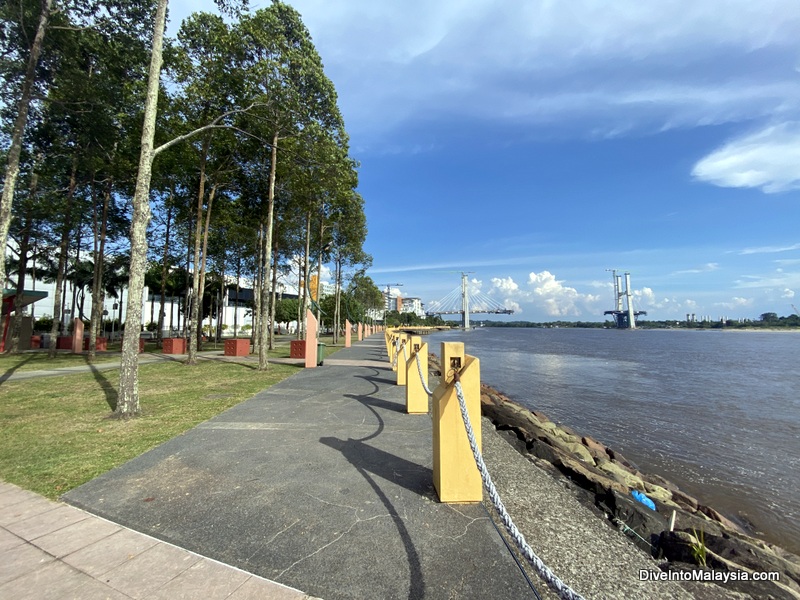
[128, 402]
[15, 149]
[285, 78]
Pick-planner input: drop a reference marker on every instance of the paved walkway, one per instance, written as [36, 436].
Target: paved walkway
[320, 483]
[49, 550]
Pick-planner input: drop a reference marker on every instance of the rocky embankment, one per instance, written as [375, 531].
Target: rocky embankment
[701, 537]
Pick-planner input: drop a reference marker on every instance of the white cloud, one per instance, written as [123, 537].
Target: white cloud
[708, 267]
[503, 285]
[787, 293]
[736, 303]
[766, 159]
[770, 249]
[625, 64]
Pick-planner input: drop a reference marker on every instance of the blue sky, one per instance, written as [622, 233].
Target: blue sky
[536, 144]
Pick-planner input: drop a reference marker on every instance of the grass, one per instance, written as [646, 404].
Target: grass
[57, 432]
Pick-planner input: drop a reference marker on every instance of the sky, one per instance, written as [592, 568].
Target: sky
[536, 145]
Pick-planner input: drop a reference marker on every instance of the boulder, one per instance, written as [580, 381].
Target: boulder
[595, 448]
[656, 492]
[685, 501]
[621, 474]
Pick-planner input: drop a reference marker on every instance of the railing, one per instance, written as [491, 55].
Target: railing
[455, 403]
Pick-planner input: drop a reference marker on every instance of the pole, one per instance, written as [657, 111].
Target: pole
[631, 320]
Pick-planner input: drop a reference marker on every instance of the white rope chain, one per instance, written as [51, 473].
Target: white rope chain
[564, 592]
[397, 346]
[422, 377]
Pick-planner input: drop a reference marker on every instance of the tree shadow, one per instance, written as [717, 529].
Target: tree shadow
[5, 376]
[111, 393]
[415, 478]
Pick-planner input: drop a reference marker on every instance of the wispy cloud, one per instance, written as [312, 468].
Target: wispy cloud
[770, 249]
[766, 159]
[708, 267]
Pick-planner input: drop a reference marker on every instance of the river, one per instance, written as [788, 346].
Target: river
[716, 412]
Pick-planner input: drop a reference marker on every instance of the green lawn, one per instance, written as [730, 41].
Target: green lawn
[57, 432]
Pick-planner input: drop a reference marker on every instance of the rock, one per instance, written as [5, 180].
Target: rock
[656, 492]
[755, 555]
[581, 452]
[560, 433]
[622, 460]
[685, 501]
[621, 474]
[659, 481]
[682, 547]
[631, 515]
[719, 518]
[595, 448]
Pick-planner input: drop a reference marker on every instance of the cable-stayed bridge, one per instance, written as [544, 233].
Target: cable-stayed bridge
[463, 301]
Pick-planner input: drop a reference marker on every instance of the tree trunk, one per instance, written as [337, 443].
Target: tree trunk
[128, 402]
[15, 149]
[98, 296]
[201, 288]
[337, 317]
[195, 326]
[256, 331]
[300, 304]
[164, 272]
[16, 326]
[55, 329]
[273, 293]
[307, 272]
[264, 324]
[24, 250]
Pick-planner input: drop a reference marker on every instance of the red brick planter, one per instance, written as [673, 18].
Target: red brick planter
[64, 342]
[100, 345]
[174, 345]
[36, 342]
[237, 347]
[297, 349]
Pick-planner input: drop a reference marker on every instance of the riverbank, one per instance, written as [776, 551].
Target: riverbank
[681, 529]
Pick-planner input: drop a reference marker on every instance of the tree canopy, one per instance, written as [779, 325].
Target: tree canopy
[231, 164]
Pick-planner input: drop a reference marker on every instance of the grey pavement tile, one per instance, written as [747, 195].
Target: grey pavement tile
[150, 570]
[257, 588]
[19, 511]
[20, 560]
[8, 541]
[110, 552]
[47, 522]
[76, 536]
[95, 590]
[52, 580]
[205, 579]
[11, 494]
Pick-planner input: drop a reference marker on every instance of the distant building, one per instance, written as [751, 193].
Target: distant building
[412, 305]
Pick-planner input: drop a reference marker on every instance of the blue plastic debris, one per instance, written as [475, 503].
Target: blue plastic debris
[640, 497]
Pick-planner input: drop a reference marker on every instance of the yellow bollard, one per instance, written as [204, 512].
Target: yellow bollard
[416, 396]
[402, 354]
[455, 475]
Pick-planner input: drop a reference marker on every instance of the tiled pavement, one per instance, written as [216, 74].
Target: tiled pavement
[49, 550]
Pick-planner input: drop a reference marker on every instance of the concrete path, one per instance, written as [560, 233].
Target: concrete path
[51, 550]
[320, 483]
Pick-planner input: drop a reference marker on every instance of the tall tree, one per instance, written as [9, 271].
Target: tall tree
[15, 148]
[128, 401]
